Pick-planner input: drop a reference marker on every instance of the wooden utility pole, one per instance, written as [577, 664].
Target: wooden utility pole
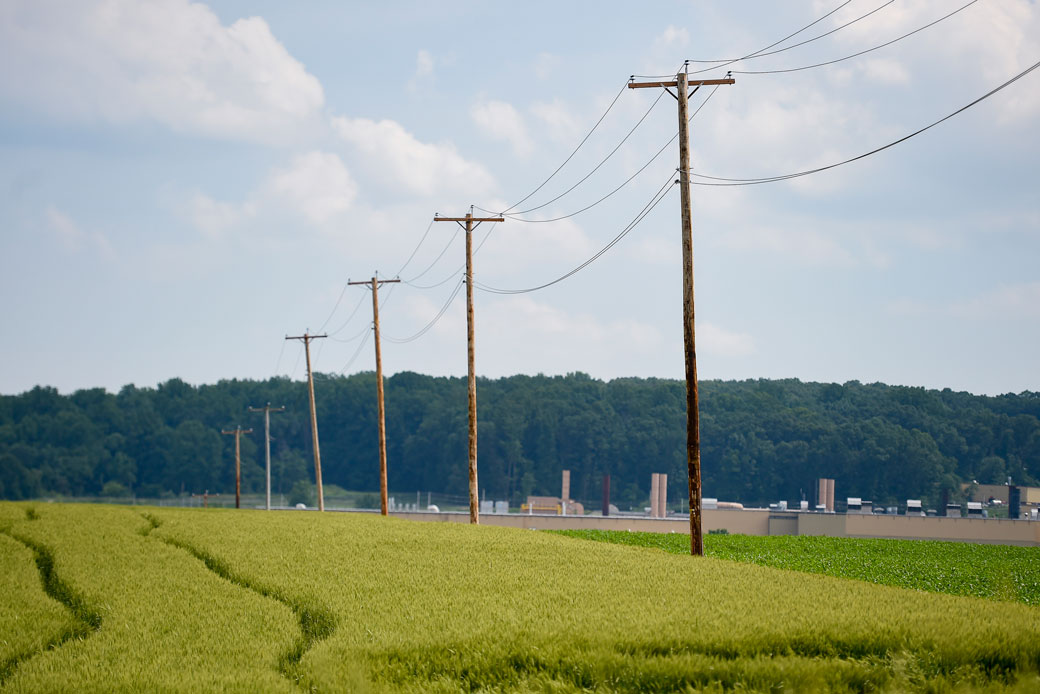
[374, 284]
[314, 415]
[267, 410]
[237, 432]
[693, 432]
[469, 219]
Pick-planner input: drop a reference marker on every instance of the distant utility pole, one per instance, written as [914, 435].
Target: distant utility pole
[314, 415]
[693, 433]
[267, 410]
[237, 432]
[469, 219]
[374, 284]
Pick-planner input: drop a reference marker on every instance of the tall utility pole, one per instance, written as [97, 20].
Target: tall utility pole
[267, 410]
[237, 432]
[314, 415]
[374, 284]
[693, 431]
[469, 219]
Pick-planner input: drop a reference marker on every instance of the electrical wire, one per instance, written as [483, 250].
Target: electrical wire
[855, 55]
[345, 323]
[597, 167]
[426, 328]
[281, 352]
[354, 358]
[336, 306]
[461, 267]
[299, 356]
[435, 261]
[351, 339]
[575, 151]
[795, 45]
[762, 51]
[416, 249]
[772, 179]
[658, 196]
[623, 184]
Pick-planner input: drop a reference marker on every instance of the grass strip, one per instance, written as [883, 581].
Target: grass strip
[316, 622]
[995, 572]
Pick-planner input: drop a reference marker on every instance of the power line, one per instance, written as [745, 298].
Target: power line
[761, 51]
[854, 55]
[333, 312]
[598, 166]
[296, 365]
[350, 339]
[623, 184]
[462, 267]
[571, 155]
[349, 318]
[354, 357]
[426, 328]
[796, 45]
[278, 364]
[772, 179]
[435, 261]
[416, 249]
[658, 196]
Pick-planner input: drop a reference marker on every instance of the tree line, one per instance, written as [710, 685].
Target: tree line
[762, 440]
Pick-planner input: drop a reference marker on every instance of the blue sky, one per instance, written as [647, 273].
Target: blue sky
[184, 184]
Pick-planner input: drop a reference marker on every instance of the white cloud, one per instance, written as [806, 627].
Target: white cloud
[500, 121]
[551, 249]
[317, 184]
[423, 64]
[398, 157]
[671, 38]
[807, 246]
[1016, 301]
[885, 71]
[561, 122]
[71, 237]
[546, 64]
[717, 341]
[165, 61]
[523, 320]
[213, 216]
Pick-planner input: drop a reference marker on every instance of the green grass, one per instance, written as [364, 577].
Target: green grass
[998, 572]
[246, 600]
[30, 621]
[152, 617]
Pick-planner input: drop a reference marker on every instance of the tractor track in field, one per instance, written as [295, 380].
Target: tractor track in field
[88, 619]
[316, 622]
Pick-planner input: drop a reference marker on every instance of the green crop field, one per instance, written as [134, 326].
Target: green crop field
[222, 600]
[999, 572]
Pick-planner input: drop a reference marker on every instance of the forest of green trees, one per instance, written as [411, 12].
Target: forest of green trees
[762, 440]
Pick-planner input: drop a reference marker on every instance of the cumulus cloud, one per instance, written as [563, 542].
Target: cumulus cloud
[423, 64]
[1016, 301]
[71, 237]
[317, 184]
[558, 118]
[717, 341]
[166, 61]
[500, 121]
[398, 157]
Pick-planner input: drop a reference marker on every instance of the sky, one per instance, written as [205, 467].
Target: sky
[185, 184]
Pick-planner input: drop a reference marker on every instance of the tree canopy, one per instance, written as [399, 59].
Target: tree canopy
[762, 440]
